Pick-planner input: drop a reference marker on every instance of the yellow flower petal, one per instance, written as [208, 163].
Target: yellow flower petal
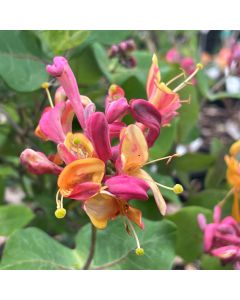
[80, 144]
[235, 149]
[134, 149]
[101, 208]
[236, 207]
[79, 171]
[156, 192]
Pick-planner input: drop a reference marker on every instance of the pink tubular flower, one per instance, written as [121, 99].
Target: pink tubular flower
[62, 71]
[146, 114]
[38, 163]
[173, 56]
[221, 238]
[98, 131]
[116, 105]
[56, 122]
[127, 187]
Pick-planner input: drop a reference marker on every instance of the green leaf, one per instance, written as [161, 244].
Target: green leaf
[85, 67]
[213, 263]
[21, 60]
[13, 217]
[32, 249]
[193, 162]
[189, 236]
[209, 198]
[165, 141]
[109, 37]
[188, 113]
[102, 59]
[59, 41]
[115, 248]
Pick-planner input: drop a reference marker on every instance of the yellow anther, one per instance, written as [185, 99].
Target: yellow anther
[45, 85]
[139, 251]
[76, 141]
[60, 213]
[199, 66]
[178, 189]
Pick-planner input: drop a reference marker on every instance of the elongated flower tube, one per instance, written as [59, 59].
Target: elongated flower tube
[56, 122]
[116, 105]
[98, 131]
[221, 238]
[38, 163]
[62, 71]
[145, 113]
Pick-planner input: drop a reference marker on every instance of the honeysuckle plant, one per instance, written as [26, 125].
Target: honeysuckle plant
[101, 165]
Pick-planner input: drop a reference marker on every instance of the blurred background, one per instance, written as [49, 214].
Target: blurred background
[202, 133]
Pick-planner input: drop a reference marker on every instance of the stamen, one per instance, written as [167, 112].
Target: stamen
[188, 101]
[186, 81]
[223, 201]
[60, 212]
[138, 250]
[175, 78]
[45, 86]
[169, 158]
[177, 188]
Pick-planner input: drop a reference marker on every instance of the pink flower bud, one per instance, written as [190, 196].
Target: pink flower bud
[38, 163]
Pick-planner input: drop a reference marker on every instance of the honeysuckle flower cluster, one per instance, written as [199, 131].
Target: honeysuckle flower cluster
[186, 63]
[102, 175]
[123, 51]
[227, 59]
[222, 237]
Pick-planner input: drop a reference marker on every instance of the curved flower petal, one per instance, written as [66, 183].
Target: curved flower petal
[116, 110]
[60, 95]
[156, 192]
[79, 145]
[135, 215]
[153, 75]
[225, 252]
[133, 149]
[115, 92]
[115, 129]
[66, 155]
[50, 123]
[67, 117]
[101, 208]
[98, 131]
[127, 187]
[166, 102]
[38, 163]
[61, 69]
[83, 191]
[145, 113]
[209, 233]
[80, 171]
